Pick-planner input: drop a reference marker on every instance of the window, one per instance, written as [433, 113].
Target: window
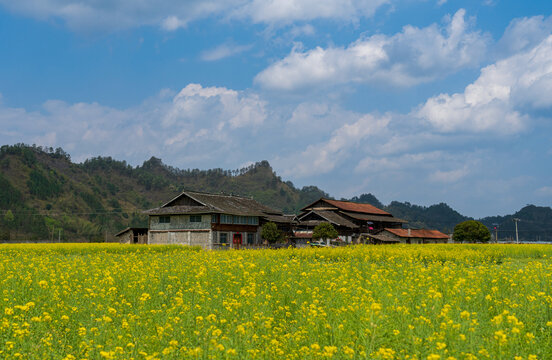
[214, 218]
[251, 238]
[225, 219]
[164, 219]
[252, 220]
[195, 218]
[223, 238]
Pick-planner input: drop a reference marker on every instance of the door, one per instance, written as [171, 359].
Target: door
[237, 240]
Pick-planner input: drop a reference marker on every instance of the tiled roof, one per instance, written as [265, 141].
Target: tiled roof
[129, 229]
[351, 206]
[383, 238]
[418, 233]
[215, 203]
[181, 209]
[369, 217]
[331, 217]
[280, 218]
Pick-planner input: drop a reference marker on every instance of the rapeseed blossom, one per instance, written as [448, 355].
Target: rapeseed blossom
[454, 302]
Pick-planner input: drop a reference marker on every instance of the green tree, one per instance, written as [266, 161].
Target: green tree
[471, 231]
[8, 220]
[324, 230]
[270, 233]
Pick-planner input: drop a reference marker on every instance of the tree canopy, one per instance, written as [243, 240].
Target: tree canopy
[471, 231]
[270, 233]
[324, 230]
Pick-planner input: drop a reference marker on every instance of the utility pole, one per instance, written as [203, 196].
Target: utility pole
[516, 220]
[496, 232]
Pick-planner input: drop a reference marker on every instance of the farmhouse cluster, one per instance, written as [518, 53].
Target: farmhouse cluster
[226, 221]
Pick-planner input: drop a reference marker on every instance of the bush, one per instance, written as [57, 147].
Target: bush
[324, 230]
[471, 231]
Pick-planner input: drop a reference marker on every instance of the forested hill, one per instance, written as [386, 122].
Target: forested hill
[535, 222]
[44, 195]
[439, 216]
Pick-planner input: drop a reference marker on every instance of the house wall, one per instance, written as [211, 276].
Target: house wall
[125, 238]
[415, 240]
[182, 237]
[180, 222]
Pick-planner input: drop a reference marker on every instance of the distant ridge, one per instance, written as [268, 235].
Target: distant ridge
[46, 196]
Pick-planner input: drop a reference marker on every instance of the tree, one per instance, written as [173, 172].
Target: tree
[9, 219]
[324, 230]
[471, 231]
[270, 233]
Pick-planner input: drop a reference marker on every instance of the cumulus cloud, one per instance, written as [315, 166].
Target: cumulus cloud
[410, 57]
[523, 34]
[501, 99]
[174, 14]
[323, 157]
[201, 122]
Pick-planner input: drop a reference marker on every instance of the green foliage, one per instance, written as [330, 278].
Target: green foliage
[271, 233]
[324, 230]
[367, 199]
[471, 231]
[10, 197]
[8, 217]
[43, 186]
[440, 216]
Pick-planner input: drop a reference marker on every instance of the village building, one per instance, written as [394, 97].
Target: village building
[133, 235]
[212, 221]
[409, 236]
[353, 221]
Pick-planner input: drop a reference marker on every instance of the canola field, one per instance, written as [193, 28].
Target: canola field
[367, 302]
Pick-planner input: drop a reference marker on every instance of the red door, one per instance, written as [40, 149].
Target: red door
[237, 240]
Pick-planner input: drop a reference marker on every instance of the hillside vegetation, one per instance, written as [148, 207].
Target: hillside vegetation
[50, 197]
[46, 196]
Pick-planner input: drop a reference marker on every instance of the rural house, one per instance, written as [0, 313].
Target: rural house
[408, 236]
[133, 236]
[211, 220]
[351, 220]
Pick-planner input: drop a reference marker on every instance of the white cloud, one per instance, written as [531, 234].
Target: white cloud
[523, 34]
[410, 57]
[197, 123]
[321, 158]
[223, 51]
[218, 105]
[171, 15]
[449, 176]
[287, 11]
[501, 99]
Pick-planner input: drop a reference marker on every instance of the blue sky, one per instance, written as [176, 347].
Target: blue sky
[423, 101]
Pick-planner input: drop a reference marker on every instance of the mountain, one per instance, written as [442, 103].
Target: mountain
[535, 222]
[439, 216]
[44, 195]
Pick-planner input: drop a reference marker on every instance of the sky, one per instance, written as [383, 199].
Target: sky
[424, 101]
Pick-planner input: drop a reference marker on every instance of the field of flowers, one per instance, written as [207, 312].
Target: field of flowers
[376, 302]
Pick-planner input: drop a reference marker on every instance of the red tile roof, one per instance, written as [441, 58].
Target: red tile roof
[422, 233]
[351, 206]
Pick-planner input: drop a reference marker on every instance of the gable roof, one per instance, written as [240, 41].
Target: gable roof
[418, 233]
[329, 216]
[214, 203]
[349, 206]
[374, 218]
